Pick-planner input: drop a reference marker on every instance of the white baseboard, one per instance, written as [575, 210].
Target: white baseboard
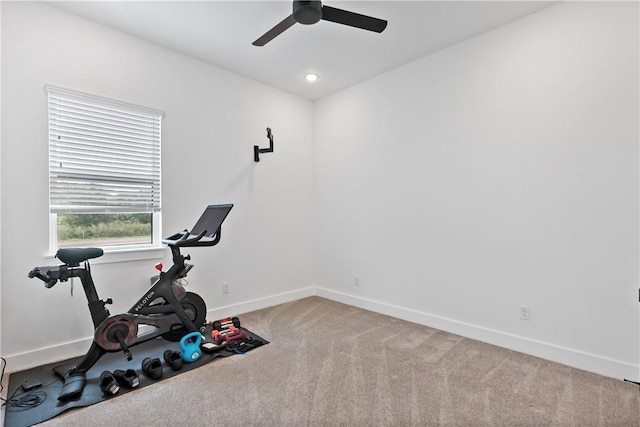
[42, 356]
[566, 356]
[259, 303]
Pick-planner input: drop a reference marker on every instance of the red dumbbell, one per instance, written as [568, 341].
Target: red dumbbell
[228, 335]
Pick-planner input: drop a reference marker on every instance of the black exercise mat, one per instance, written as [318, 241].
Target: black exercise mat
[52, 384]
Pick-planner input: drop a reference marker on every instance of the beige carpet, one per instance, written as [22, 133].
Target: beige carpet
[332, 364]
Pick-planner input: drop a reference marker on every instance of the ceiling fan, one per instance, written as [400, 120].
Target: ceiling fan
[311, 11]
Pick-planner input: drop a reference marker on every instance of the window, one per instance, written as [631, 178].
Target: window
[104, 172]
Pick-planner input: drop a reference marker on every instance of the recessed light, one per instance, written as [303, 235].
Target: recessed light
[311, 77]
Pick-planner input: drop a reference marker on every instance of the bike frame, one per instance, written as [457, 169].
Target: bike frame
[161, 316]
[164, 287]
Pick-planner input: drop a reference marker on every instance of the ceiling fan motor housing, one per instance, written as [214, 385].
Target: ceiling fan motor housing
[307, 11]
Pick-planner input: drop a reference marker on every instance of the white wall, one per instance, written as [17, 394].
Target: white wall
[497, 173]
[213, 119]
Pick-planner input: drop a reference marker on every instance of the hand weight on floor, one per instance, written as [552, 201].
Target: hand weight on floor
[190, 351]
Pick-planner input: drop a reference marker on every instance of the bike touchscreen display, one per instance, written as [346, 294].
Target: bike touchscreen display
[211, 219]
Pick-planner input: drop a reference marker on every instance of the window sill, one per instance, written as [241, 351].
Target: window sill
[115, 255]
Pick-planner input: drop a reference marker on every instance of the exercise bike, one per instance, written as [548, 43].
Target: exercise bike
[166, 307]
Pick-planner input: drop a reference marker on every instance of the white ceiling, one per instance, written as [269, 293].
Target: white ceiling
[221, 33]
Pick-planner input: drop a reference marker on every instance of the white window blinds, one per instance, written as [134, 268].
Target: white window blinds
[104, 156]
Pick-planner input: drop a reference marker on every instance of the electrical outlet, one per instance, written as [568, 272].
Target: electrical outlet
[225, 288]
[525, 312]
[356, 281]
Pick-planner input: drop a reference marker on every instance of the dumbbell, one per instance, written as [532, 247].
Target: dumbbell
[231, 334]
[226, 323]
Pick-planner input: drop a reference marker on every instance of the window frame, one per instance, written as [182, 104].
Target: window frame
[149, 250]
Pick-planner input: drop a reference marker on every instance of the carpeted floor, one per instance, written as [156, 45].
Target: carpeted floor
[331, 364]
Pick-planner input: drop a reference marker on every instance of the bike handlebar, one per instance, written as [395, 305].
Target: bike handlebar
[186, 239]
[45, 277]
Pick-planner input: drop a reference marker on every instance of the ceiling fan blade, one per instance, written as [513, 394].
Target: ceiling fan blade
[275, 31]
[345, 17]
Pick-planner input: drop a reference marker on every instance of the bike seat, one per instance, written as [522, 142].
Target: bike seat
[74, 256]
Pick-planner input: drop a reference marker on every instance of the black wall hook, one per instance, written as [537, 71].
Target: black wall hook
[257, 150]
